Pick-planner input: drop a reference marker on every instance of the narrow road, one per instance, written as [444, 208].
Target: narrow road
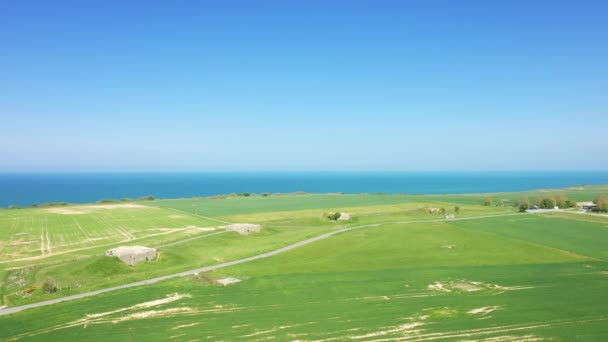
[14, 309]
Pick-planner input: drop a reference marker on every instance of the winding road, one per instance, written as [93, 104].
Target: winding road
[10, 310]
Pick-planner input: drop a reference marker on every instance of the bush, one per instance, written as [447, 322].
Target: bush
[601, 203]
[333, 216]
[265, 194]
[487, 201]
[49, 285]
[570, 203]
[525, 203]
[29, 289]
[107, 200]
[547, 203]
[147, 198]
[457, 209]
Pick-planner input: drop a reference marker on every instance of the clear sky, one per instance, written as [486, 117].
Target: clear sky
[303, 85]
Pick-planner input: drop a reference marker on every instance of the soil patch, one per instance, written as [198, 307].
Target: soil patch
[244, 228]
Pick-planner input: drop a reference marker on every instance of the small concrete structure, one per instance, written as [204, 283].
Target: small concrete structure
[449, 216]
[244, 228]
[344, 217]
[131, 255]
[434, 210]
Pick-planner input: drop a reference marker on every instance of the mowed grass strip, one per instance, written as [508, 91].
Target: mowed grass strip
[414, 245]
[259, 204]
[567, 232]
[372, 213]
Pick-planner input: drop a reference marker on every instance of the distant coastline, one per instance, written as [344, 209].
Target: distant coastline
[25, 189]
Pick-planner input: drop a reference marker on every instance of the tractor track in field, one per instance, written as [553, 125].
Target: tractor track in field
[10, 310]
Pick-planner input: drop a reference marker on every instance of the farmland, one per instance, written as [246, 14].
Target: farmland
[491, 274]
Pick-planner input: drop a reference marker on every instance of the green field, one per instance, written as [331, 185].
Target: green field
[490, 275]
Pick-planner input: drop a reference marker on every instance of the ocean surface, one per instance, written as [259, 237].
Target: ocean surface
[35, 188]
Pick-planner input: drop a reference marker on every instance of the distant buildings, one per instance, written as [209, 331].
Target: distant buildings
[586, 205]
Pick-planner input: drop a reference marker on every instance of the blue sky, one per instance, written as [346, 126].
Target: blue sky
[303, 85]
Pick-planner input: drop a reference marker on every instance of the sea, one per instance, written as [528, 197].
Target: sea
[23, 189]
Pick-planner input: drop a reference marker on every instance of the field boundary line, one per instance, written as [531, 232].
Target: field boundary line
[15, 309]
[201, 216]
[190, 239]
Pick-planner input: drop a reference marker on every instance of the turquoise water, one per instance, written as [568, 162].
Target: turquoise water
[30, 188]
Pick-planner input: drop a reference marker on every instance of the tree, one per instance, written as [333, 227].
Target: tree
[487, 201]
[523, 206]
[570, 203]
[457, 209]
[547, 203]
[265, 194]
[442, 211]
[601, 203]
[560, 201]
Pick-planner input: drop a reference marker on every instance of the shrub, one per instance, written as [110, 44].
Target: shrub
[147, 198]
[570, 203]
[487, 201]
[601, 203]
[457, 209]
[522, 204]
[107, 200]
[49, 285]
[333, 216]
[265, 194]
[442, 211]
[547, 203]
[29, 289]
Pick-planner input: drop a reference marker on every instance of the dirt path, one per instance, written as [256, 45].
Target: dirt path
[14, 309]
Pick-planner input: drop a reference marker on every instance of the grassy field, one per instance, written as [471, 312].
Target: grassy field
[504, 278]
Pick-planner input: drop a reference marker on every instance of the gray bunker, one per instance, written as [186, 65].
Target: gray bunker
[131, 255]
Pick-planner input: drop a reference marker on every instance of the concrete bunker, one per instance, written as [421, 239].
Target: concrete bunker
[132, 255]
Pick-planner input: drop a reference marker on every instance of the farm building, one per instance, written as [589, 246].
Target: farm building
[243, 228]
[131, 255]
[585, 205]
